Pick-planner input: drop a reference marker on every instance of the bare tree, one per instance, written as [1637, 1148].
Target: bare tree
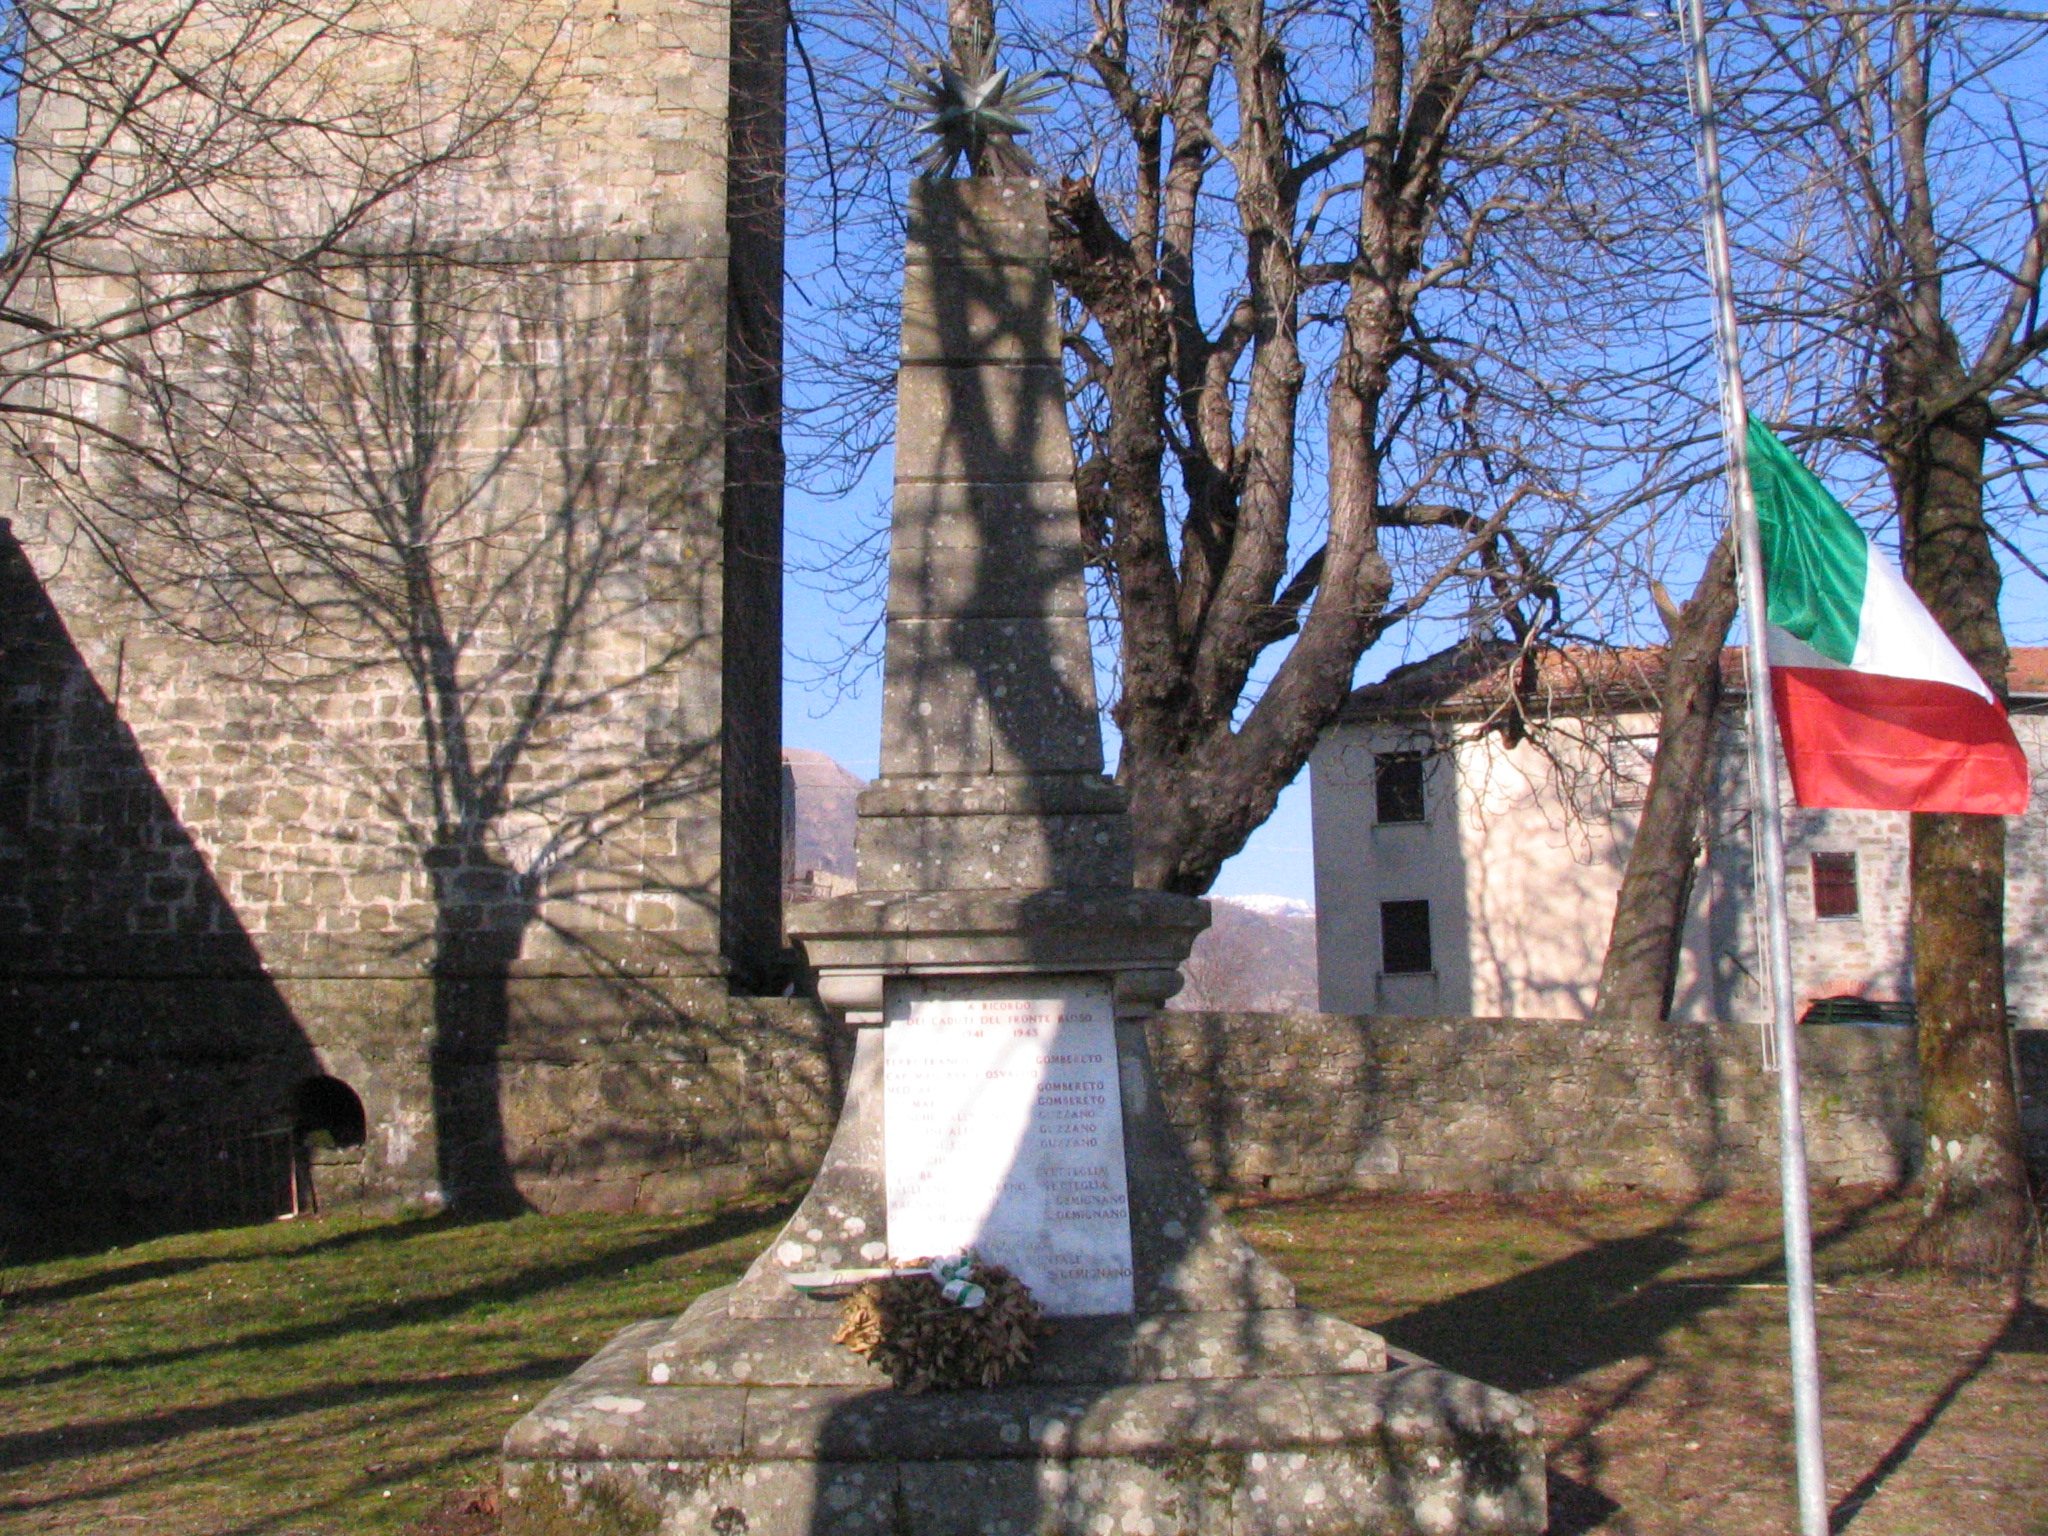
[1906, 140]
[423, 506]
[1250, 959]
[1342, 282]
[1640, 970]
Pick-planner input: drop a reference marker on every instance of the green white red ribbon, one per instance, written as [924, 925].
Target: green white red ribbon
[952, 1274]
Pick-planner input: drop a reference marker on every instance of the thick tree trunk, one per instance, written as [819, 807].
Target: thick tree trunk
[1973, 1178]
[1641, 969]
[1198, 611]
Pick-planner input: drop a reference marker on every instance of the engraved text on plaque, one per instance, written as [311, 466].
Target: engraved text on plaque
[1003, 1132]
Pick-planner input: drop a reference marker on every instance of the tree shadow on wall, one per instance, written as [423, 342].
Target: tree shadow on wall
[440, 526]
[147, 1065]
[482, 908]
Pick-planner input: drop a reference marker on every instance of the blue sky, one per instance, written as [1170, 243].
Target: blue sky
[842, 717]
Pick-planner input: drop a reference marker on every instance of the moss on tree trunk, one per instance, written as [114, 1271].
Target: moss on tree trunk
[1973, 1177]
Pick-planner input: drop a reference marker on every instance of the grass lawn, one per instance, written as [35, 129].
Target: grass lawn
[1651, 1337]
[350, 1375]
[324, 1376]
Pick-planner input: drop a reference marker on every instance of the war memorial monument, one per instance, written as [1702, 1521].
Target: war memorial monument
[996, 965]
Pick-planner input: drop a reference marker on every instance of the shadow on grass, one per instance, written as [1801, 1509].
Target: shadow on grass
[1571, 1315]
[185, 1473]
[31, 1448]
[1575, 1508]
[1605, 1303]
[520, 1285]
[143, 1474]
[2025, 1333]
[380, 1234]
[99, 1283]
[1609, 1302]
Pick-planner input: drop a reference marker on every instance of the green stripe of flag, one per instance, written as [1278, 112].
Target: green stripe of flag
[1815, 556]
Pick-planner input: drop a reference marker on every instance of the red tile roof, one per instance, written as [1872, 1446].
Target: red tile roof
[1474, 679]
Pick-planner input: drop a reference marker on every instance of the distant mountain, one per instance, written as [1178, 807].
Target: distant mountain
[818, 803]
[1271, 906]
[1258, 955]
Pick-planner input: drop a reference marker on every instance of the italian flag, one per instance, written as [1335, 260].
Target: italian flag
[1877, 707]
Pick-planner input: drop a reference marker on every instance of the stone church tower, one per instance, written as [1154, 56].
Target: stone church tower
[404, 826]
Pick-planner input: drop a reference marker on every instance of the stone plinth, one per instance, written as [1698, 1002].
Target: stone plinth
[1233, 1437]
[993, 847]
[1137, 937]
[1218, 1408]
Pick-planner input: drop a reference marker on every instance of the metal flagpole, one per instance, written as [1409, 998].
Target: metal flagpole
[1767, 827]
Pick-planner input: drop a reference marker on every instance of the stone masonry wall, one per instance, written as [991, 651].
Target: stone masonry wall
[673, 1099]
[1291, 1104]
[664, 1099]
[676, 1103]
[661, 1099]
[559, 327]
[241, 852]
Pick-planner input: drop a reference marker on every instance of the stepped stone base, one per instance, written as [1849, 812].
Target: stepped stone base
[1220, 1408]
[1236, 1447]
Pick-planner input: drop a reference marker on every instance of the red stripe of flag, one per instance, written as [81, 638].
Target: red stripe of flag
[1856, 741]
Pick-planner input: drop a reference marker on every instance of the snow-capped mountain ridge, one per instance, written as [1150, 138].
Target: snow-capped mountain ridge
[1270, 906]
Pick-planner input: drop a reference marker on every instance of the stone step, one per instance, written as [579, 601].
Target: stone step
[707, 1347]
[1415, 1448]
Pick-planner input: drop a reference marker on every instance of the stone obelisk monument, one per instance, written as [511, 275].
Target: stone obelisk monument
[996, 965]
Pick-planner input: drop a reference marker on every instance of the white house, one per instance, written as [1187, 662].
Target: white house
[1465, 868]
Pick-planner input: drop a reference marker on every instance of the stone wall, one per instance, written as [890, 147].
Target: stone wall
[1289, 1104]
[138, 1101]
[673, 1098]
[460, 824]
[659, 1099]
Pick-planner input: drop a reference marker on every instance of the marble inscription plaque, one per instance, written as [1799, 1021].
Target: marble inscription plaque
[1003, 1132]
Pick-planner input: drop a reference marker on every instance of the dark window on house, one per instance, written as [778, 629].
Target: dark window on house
[1397, 787]
[1834, 885]
[1404, 938]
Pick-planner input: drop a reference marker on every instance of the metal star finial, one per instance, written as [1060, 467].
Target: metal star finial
[975, 110]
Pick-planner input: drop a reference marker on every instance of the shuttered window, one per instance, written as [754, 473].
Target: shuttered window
[1834, 885]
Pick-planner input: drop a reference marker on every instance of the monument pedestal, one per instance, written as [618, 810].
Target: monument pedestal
[1218, 1408]
[1410, 1450]
[995, 872]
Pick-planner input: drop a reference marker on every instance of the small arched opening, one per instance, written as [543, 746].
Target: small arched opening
[328, 1131]
[326, 1112]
